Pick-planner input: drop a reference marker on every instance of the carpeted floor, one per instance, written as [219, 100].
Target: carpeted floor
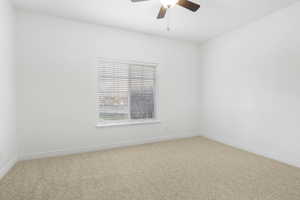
[188, 169]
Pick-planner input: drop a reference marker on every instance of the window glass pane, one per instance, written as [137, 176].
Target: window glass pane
[125, 92]
[113, 92]
[141, 92]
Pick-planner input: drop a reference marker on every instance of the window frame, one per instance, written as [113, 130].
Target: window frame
[129, 122]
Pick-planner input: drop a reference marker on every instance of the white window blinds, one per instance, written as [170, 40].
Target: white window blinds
[126, 92]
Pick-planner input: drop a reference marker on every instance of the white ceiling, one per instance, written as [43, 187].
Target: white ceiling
[213, 18]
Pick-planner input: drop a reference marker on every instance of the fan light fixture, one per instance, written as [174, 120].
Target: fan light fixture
[168, 3]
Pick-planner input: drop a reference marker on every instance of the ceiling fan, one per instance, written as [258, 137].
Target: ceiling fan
[166, 4]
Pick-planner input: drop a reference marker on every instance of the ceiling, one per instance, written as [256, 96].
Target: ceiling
[213, 18]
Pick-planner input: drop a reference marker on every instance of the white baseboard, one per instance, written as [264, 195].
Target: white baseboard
[236, 144]
[7, 166]
[63, 152]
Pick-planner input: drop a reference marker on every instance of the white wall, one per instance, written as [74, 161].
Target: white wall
[251, 87]
[56, 85]
[8, 150]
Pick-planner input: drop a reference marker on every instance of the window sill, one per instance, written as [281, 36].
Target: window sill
[127, 123]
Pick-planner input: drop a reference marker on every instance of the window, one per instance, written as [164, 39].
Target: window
[126, 93]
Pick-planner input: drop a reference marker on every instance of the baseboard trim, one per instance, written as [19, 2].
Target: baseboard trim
[7, 166]
[247, 149]
[64, 152]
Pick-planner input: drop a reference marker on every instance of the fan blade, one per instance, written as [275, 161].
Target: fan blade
[189, 5]
[138, 0]
[162, 13]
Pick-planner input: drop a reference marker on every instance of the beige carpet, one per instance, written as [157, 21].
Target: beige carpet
[195, 168]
